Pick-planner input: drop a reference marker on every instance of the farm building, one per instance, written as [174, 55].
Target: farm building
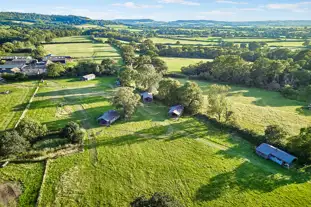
[276, 155]
[57, 59]
[12, 66]
[17, 58]
[88, 77]
[176, 111]
[147, 97]
[108, 118]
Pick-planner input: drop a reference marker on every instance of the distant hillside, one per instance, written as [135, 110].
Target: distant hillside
[56, 19]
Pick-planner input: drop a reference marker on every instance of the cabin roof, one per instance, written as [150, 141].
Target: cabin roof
[89, 76]
[146, 95]
[267, 150]
[176, 110]
[109, 115]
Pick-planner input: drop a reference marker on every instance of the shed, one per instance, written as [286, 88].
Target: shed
[276, 155]
[108, 117]
[147, 97]
[88, 77]
[176, 111]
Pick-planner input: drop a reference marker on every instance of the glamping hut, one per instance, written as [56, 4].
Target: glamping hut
[88, 77]
[270, 152]
[147, 97]
[108, 118]
[176, 111]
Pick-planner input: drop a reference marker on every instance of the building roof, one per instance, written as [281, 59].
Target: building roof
[176, 110]
[267, 149]
[146, 95]
[109, 115]
[15, 57]
[89, 76]
[10, 65]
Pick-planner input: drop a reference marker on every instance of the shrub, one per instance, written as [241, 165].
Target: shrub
[11, 143]
[73, 133]
[31, 129]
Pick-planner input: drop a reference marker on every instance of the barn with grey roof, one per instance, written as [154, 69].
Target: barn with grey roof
[108, 118]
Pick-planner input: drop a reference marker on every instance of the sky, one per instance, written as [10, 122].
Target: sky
[168, 10]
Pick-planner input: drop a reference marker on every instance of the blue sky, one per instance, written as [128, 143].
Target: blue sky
[167, 10]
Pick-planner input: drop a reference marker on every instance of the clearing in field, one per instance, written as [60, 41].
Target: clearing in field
[257, 108]
[83, 51]
[175, 64]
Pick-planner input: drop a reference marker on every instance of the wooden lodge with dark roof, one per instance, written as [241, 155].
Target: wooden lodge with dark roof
[108, 118]
[147, 97]
[176, 111]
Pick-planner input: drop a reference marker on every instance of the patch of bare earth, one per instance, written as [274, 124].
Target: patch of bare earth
[9, 193]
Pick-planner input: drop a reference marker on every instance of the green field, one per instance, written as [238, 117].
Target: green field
[182, 42]
[189, 159]
[73, 39]
[286, 44]
[87, 26]
[82, 51]
[13, 104]
[257, 108]
[175, 64]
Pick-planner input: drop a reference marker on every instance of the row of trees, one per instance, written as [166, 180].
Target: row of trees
[28, 132]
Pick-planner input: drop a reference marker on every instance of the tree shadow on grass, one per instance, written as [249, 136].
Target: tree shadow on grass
[303, 111]
[246, 177]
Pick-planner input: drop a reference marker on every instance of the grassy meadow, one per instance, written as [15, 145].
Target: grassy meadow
[257, 108]
[13, 104]
[189, 159]
[175, 64]
[82, 51]
[182, 42]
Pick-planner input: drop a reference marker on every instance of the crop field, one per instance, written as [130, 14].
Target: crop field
[256, 108]
[189, 159]
[83, 51]
[13, 104]
[175, 64]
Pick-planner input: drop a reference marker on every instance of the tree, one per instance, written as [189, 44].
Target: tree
[177, 42]
[108, 67]
[159, 65]
[167, 91]
[39, 52]
[254, 46]
[301, 144]
[147, 78]
[126, 99]
[156, 200]
[191, 97]
[128, 77]
[275, 135]
[31, 129]
[55, 69]
[217, 102]
[11, 143]
[243, 45]
[73, 132]
[306, 43]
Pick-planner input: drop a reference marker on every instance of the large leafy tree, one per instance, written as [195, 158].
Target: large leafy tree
[11, 143]
[167, 90]
[275, 135]
[73, 132]
[39, 52]
[128, 77]
[217, 102]
[127, 100]
[31, 129]
[55, 70]
[301, 144]
[191, 97]
[147, 78]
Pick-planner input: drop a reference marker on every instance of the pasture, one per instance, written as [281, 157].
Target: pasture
[257, 108]
[73, 39]
[13, 104]
[175, 64]
[82, 51]
[189, 159]
[182, 42]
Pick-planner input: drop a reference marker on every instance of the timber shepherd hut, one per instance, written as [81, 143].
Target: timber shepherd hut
[270, 152]
[108, 118]
[147, 97]
[176, 111]
[88, 77]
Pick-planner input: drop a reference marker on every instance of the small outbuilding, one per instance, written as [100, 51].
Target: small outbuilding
[108, 118]
[88, 77]
[147, 97]
[270, 152]
[176, 111]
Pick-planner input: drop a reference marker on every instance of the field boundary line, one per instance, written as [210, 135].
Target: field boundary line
[43, 181]
[27, 107]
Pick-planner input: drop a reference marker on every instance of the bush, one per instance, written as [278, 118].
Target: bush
[289, 92]
[11, 143]
[156, 200]
[73, 133]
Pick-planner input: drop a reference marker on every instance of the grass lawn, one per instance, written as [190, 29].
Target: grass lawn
[29, 176]
[13, 104]
[87, 26]
[285, 44]
[94, 51]
[73, 39]
[182, 42]
[175, 64]
[256, 108]
[193, 161]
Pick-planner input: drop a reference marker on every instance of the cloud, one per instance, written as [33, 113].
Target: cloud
[230, 2]
[251, 9]
[297, 7]
[190, 3]
[218, 12]
[132, 5]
